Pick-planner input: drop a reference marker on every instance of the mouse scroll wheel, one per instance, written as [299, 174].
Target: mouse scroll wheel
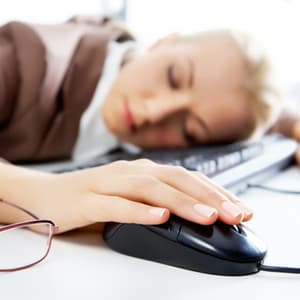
[170, 229]
[236, 228]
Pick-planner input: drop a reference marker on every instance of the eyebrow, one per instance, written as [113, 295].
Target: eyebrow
[192, 69]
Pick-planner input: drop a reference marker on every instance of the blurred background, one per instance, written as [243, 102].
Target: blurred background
[275, 22]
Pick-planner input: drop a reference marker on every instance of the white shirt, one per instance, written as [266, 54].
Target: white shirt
[94, 138]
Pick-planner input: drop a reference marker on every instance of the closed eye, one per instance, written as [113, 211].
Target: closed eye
[195, 131]
[173, 83]
[188, 138]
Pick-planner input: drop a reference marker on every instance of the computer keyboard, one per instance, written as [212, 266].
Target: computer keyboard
[231, 165]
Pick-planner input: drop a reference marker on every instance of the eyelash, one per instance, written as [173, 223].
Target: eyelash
[172, 82]
[188, 137]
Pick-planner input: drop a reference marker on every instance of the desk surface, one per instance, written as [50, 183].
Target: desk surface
[80, 266]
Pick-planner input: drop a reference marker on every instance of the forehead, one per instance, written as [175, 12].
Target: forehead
[217, 60]
[218, 95]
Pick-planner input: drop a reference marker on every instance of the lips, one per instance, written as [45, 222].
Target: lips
[129, 121]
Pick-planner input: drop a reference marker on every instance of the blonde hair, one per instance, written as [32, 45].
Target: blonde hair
[263, 87]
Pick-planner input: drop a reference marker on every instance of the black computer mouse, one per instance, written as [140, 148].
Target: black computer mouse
[215, 249]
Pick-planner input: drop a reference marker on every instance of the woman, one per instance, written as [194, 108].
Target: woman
[69, 90]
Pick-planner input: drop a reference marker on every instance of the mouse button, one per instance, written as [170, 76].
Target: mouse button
[169, 229]
[238, 243]
[259, 247]
[223, 241]
[205, 231]
[236, 228]
[226, 230]
[196, 236]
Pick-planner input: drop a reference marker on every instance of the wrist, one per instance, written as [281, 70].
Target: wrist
[19, 185]
[14, 181]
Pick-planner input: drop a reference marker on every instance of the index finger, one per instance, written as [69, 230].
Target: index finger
[248, 213]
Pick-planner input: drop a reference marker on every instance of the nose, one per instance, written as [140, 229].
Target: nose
[159, 108]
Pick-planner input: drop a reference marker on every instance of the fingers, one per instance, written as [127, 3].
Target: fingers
[149, 189]
[247, 212]
[117, 209]
[204, 191]
[185, 194]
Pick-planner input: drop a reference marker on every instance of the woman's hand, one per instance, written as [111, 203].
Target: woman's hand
[135, 192]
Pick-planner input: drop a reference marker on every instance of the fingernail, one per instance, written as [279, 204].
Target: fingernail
[156, 211]
[247, 211]
[204, 210]
[231, 209]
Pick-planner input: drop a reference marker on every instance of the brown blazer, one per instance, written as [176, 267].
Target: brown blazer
[48, 75]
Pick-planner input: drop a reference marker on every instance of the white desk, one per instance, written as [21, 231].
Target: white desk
[80, 266]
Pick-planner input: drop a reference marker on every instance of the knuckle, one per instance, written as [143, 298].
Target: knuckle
[144, 161]
[120, 163]
[217, 195]
[181, 170]
[175, 171]
[179, 201]
[144, 182]
[212, 193]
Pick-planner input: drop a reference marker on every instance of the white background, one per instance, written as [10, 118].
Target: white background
[80, 266]
[275, 22]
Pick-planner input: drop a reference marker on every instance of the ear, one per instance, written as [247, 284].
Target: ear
[162, 41]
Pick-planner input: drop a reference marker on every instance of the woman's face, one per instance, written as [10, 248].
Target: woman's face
[178, 93]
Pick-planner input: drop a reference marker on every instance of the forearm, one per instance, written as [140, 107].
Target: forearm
[15, 186]
[132, 192]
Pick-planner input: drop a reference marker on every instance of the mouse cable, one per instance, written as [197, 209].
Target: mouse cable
[280, 269]
[283, 191]
[271, 189]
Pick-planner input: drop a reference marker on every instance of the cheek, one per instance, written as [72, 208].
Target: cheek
[227, 125]
[143, 75]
